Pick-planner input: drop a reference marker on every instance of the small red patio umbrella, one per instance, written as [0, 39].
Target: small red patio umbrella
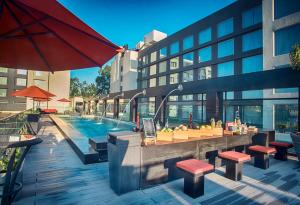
[43, 35]
[64, 100]
[33, 92]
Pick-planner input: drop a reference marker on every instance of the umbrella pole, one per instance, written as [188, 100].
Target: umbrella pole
[48, 86]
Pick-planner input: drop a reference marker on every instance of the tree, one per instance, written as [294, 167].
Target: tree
[295, 57]
[88, 93]
[75, 87]
[103, 81]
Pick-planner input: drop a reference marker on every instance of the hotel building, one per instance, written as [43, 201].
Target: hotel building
[232, 62]
[11, 80]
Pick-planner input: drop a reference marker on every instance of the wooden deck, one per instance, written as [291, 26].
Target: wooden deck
[54, 175]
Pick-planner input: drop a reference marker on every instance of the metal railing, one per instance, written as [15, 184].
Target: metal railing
[13, 124]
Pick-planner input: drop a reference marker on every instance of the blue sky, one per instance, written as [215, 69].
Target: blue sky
[127, 21]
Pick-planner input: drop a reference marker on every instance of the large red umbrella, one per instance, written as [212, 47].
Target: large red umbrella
[43, 35]
[33, 92]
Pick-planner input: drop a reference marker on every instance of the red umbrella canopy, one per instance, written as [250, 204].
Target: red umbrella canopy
[64, 100]
[43, 35]
[33, 92]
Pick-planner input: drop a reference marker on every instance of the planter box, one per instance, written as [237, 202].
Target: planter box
[181, 135]
[164, 136]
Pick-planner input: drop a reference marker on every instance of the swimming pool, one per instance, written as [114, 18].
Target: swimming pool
[78, 132]
[91, 128]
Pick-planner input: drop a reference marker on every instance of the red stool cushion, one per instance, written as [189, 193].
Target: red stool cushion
[281, 144]
[235, 156]
[194, 166]
[262, 149]
[49, 111]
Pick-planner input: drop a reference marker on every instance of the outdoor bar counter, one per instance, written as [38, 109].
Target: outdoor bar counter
[148, 165]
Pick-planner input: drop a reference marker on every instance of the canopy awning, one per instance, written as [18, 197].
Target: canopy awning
[33, 92]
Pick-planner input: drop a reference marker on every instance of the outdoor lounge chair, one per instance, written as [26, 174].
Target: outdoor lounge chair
[296, 141]
[11, 187]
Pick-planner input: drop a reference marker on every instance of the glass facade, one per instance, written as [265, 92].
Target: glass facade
[188, 76]
[286, 38]
[252, 16]
[174, 78]
[21, 72]
[145, 71]
[162, 80]
[252, 94]
[252, 64]
[174, 63]
[174, 48]
[204, 73]
[286, 117]
[252, 40]
[146, 107]
[286, 90]
[204, 54]
[188, 42]
[163, 52]
[3, 70]
[204, 36]
[188, 59]
[285, 7]
[153, 69]
[226, 48]
[225, 27]
[252, 115]
[229, 95]
[225, 69]
[162, 67]
[144, 84]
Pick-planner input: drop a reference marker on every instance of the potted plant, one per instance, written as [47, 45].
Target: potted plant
[295, 57]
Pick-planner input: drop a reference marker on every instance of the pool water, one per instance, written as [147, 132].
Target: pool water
[91, 128]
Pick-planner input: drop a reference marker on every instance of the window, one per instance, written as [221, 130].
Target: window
[252, 94]
[252, 64]
[188, 42]
[173, 111]
[162, 80]
[188, 76]
[204, 54]
[201, 96]
[252, 40]
[147, 59]
[252, 115]
[174, 48]
[152, 82]
[187, 97]
[286, 117]
[153, 69]
[174, 78]
[252, 16]
[225, 69]
[38, 73]
[174, 63]
[225, 27]
[285, 7]
[286, 38]
[204, 36]
[41, 84]
[188, 59]
[163, 52]
[204, 73]
[153, 57]
[186, 111]
[3, 80]
[201, 113]
[162, 67]
[173, 98]
[144, 84]
[21, 72]
[21, 82]
[226, 48]
[228, 95]
[145, 71]
[286, 90]
[3, 92]
[3, 70]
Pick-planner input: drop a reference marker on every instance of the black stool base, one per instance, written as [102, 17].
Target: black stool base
[194, 185]
[281, 154]
[261, 160]
[234, 170]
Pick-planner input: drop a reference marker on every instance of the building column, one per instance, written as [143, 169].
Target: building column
[214, 105]
[116, 109]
